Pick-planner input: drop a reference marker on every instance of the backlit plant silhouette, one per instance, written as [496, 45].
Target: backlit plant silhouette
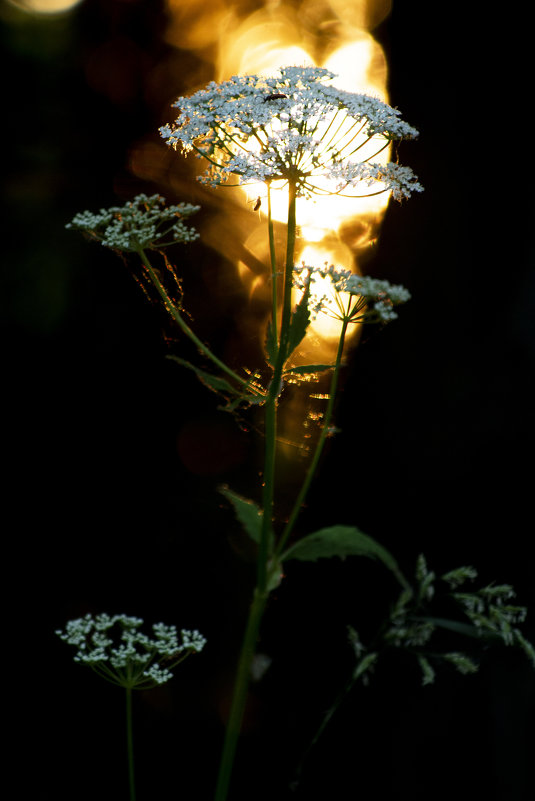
[293, 132]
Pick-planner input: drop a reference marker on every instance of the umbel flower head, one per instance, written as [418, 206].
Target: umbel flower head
[144, 222]
[116, 648]
[350, 297]
[293, 127]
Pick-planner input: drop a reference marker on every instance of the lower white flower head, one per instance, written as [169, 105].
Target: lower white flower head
[351, 297]
[296, 127]
[116, 648]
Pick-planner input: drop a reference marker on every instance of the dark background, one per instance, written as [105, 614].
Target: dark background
[114, 454]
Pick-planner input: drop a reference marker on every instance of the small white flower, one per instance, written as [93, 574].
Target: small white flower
[193, 639]
[157, 674]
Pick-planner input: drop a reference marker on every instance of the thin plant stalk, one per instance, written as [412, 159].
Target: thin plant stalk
[174, 312]
[239, 699]
[130, 744]
[270, 408]
[325, 431]
[273, 262]
[266, 537]
[288, 283]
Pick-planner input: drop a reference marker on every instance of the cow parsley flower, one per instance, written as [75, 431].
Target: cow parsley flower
[294, 127]
[343, 295]
[117, 649]
[144, 222]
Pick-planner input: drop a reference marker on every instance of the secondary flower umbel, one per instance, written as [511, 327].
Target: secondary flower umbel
[116, 648]
[144, 222]
[294, 127]
[350, 297]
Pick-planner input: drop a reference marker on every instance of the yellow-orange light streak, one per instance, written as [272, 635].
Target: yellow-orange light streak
[45, 7]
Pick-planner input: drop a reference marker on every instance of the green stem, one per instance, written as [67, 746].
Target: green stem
[270, 419]
[130, 744]
[266, 537]
[265, 545]
[175, 314]
[273, 261]
[240, 694]
[288, 282]
[321, 442]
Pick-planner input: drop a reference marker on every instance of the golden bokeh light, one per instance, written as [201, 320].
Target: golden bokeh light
[267, 39]
[45, 6]
[195, 26]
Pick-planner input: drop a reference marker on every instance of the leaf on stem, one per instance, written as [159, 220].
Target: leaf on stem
[247, 512]
[304, 369]
[213, 382]
[341, 541]
[220, 386]
[299, 322]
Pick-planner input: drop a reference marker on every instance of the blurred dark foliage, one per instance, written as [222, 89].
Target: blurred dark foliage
[114, 454]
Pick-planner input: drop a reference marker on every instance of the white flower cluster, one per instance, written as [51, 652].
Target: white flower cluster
[115, 648]
[400, 180]
[144, 222]
[295, 126]
[359, 298]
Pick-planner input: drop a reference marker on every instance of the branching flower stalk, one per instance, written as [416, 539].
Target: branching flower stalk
[174, 311]
[143, 224]
[293, 131]
[324, 434]
[297, 130]
[354, 300]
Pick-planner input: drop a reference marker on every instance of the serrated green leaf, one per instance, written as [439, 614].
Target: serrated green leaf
[341, 541]
[247, 512]
[299, 322]
[302, 369]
